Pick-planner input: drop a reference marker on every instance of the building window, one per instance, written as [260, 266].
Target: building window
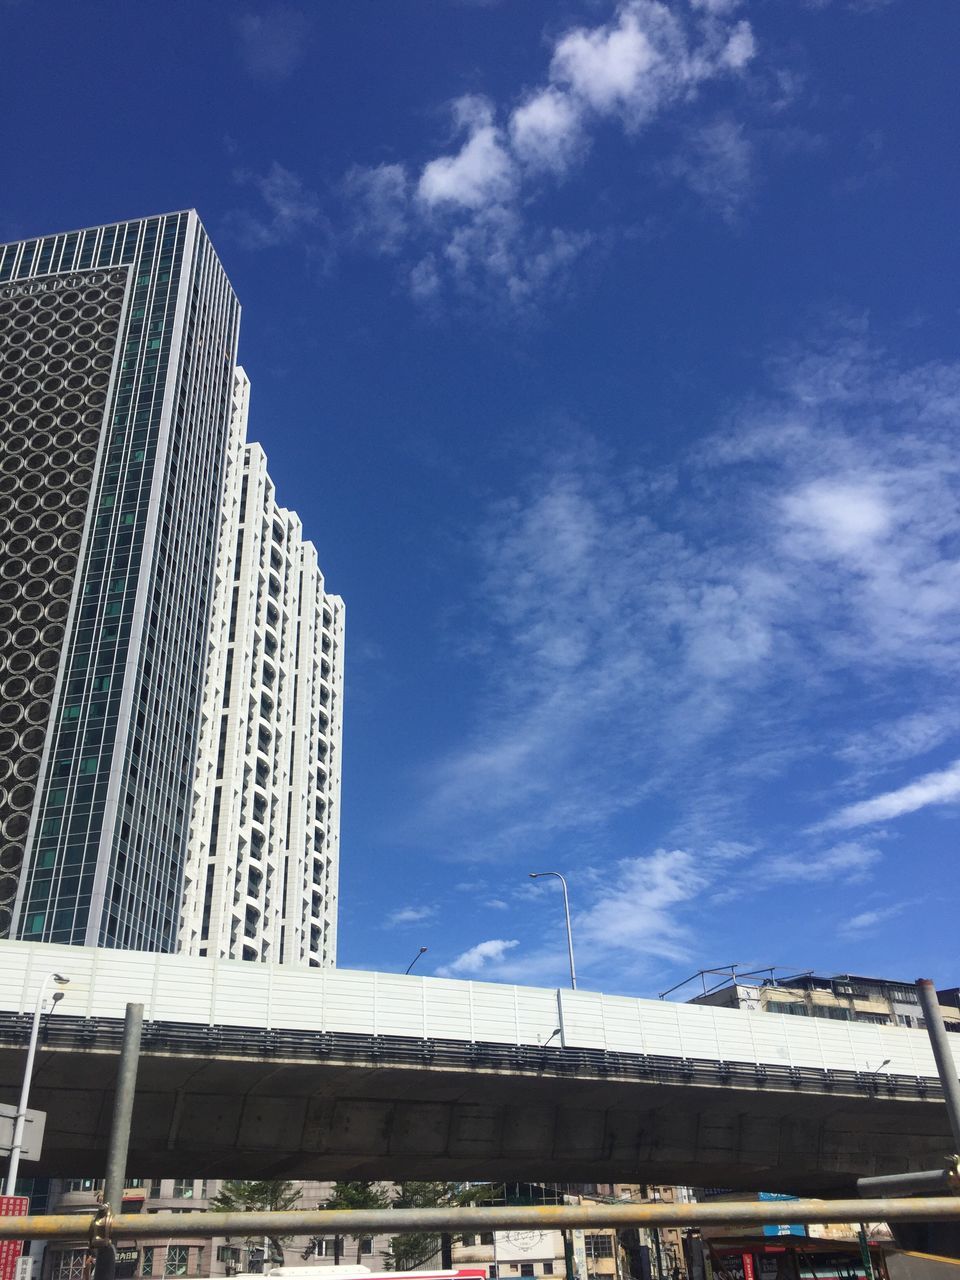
[204, 1190]
[599, 1246]
[468, 1242]
[548, 1268]
[838, 1012]
[156, 1187]
[183, 1188]
[68, 1265]
[146, 1265]
[526, 1268]
[366, 1244]
[904, 995]
[327, 1247]
[176, 1264]
[492, 1271]
[486, 1237]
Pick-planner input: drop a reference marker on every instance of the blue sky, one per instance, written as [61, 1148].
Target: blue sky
[609, 354]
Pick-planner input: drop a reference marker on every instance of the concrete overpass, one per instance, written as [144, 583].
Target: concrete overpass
[257, 1071]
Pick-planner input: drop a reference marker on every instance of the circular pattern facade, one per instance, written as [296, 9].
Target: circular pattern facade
[56, 351]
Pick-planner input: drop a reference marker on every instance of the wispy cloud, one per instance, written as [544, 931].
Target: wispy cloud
[865, 922]
[411, 915]
[292, 212]
[843, 863]
[938, 788]
[466, 219]
[787, 564]
[903, 738]
[717, 164]
[273, 41]
[634, 911]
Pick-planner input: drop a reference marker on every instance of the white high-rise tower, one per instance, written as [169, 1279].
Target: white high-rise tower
[261, 876]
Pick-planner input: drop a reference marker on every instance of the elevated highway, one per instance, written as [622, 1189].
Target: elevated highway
[258, 1071]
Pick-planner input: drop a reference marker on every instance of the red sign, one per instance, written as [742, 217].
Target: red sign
[11, 1207]
[748, 1267]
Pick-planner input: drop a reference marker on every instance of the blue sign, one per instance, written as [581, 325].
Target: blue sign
[781, 1228]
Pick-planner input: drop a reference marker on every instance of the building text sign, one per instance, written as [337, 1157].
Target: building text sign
[11, 1207]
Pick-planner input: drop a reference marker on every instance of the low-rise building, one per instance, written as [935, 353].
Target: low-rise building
[844, 997]
[152, 1256]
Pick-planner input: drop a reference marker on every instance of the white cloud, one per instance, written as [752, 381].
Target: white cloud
[865, 921]
[838, 517]
[607, 66]
[546, 131]
[717, 164]
[716, 6]
[469, 216]
[411, 915]
[379, 198]
[902, 738]
[482, 172]
[636, 911]
[291, 209]
[273, 41]
[843, 864]
[940, 787]
[479, 958]
[695, 634]
[741, 47]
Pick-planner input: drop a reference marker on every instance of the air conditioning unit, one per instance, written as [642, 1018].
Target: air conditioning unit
[843, 989]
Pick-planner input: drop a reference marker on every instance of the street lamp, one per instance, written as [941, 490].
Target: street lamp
[535, 875]
[21, 1119]
[415, 959]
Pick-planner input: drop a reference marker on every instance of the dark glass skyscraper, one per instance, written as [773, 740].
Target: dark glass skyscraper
[117, 365]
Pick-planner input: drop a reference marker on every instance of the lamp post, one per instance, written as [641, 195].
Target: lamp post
[17, 1146]
[535, 875]
[415, 959]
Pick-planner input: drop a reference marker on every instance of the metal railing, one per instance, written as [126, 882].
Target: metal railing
[552, 1060]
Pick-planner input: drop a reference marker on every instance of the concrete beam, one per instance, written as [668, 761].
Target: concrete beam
[264, 1115]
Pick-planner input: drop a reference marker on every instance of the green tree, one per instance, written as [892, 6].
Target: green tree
[351, 1195]
[413, 1249]
[236, 1196]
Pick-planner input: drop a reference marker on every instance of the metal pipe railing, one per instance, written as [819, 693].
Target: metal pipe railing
[75, 1226]
[924, 1182]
